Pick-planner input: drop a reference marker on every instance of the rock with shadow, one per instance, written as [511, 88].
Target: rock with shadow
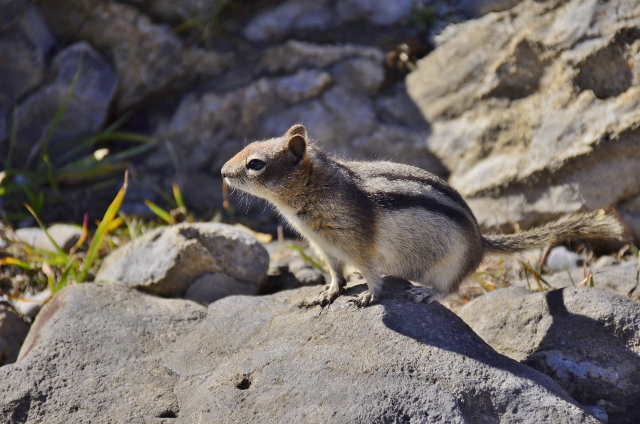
[112, 354]
[587, 340]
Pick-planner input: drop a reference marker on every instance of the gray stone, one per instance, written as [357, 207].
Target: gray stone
[169, 259]
[294, 55]
[359, 75]
[305, 273]
[65, 236]
[584, 338]
[32, 303]
[177, 11]
[211, 287]
[148, 57]
[303, 85]
[262, 359]
[11, 10]
[560, 258]
[528, 118]
[13, 331]
[381, 12]
[88, 105]
[277, 23]
[23, 49]
[398, 108]
[477, 8]
[24, 45]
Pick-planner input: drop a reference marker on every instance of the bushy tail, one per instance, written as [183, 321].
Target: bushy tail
[585, 226]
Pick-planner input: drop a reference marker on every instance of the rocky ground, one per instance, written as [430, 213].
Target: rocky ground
[530, 112]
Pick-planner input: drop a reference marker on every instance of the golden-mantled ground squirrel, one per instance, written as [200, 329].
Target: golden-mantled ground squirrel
[383, 217]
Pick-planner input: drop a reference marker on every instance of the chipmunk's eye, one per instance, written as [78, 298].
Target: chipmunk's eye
[255, 164]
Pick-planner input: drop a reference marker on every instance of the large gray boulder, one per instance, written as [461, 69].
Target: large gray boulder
[586, 339]
[168, 260]
[106, 353]
[535, 110]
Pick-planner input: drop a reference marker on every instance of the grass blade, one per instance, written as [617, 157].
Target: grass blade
[178, 196]
[60, 112]
[41, 225]
[101, 231]
[161, 213]
[16, 262]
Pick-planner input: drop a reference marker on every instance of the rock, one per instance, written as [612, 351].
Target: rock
[177, 11]
[11, 10]
[306, 274]
[328, 88]
[65, 236]
[294, 55]
[293, 15]
[23, 49]
[211, 287]
[360, 75]
[148, 57]
[117, 336]
[24, 44]
[303, 85]
[560, 258]
[605, 260]
[477, 8]
[262, 359]
[32, 303]
[622, 279]
[13, 331]
[168, 260]
[379, 12]
[86, 110]
[585, 339]
[526, 114]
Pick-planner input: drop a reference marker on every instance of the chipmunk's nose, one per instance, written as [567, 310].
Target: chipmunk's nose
[226, 170]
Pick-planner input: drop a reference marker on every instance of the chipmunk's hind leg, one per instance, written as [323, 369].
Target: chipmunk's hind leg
[421, 294]
[373, 277]
[331, 291]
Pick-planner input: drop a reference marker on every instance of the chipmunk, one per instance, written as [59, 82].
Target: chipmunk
[384, 217]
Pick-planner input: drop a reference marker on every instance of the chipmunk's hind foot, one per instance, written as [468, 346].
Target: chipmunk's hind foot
[419, 294]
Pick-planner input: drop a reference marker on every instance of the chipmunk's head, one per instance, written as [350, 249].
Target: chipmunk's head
[270, 169]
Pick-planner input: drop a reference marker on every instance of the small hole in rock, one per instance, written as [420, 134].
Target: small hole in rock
[244, 384]
[168, 414]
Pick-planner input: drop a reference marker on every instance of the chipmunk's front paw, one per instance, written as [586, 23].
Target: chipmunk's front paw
[364, 299]
[325, 298]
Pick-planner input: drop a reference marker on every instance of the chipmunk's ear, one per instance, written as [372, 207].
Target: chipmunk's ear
[297, 129]
[297, 146]
[297, 141]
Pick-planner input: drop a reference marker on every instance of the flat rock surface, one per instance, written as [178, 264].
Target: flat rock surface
[587, 340]
[168, 260]
[110, 354]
